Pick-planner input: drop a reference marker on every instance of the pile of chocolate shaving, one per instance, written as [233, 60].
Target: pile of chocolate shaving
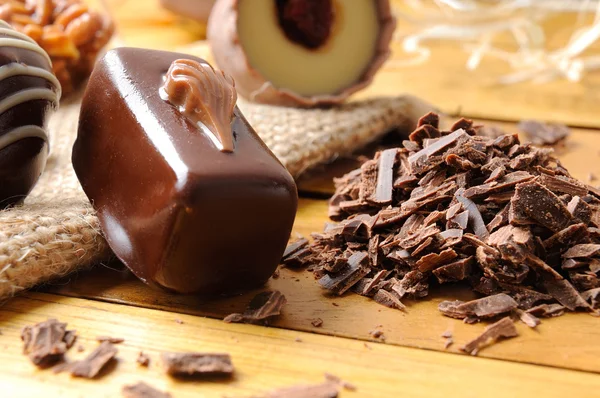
[262, 308]
[46, 343]
[197, 364]
[143, 390]
[539, 133]
[450, 206]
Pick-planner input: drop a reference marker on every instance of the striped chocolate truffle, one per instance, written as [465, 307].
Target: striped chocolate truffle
[29, 92]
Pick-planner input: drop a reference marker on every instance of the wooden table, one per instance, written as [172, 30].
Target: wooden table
[561, 357]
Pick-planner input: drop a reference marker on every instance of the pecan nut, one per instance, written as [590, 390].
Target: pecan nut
[70, 32]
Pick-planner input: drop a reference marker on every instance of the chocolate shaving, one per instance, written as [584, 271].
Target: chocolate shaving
[143, 390]
[433, 260]
[385, 175]
[547, 310]
[69, 338]
[593, 297]
[454, 272]
[388, 299]
[91, 366]
[475, 218]
[196, 364]
[112, 340]
[491, 132]
[580, 209]
[573, 234]
[449, 339]
[327, 389]
[263, 307]
[293, 248]
[317, 322]
[504, 328]
[528, 319]
[45, 343]
[543, 134]
[448, 343]
[486, 307]
[143, 359]
[356, 270]
[431, 119]
[564, 292]
[342, 383]
[421, 161]
[563, 184]
[300, 258]
[583, 251]
[526, 298]
[542, 206]
[377, 334]
[370, 285]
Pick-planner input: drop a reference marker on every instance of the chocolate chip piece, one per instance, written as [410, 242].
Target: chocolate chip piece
[112, 340]
[143, 390]
[46, 343]
[91, 366]
[504, 328]
[194, 364]
[143, 359]
[263, 307]
[540, 133]
[327, 389]
[482, 308]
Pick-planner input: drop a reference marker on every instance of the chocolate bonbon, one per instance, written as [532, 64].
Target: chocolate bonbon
[179, 204]
[28, 93]
[300, 52]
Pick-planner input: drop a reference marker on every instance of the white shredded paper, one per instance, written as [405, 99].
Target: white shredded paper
[476, 24]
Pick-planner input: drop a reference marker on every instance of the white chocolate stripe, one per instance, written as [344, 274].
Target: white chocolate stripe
[10, 42]
[8, 30]
[20, 133]
[15, 69]
[27, 95]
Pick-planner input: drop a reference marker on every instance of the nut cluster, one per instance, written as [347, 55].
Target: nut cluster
[68, 30]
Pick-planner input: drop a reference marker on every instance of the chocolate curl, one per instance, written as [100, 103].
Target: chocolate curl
[205, 96]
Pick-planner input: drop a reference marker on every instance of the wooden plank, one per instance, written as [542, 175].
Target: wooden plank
[264, 358]
[572, 341]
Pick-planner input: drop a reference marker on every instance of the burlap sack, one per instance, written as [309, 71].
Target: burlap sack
[56, 231]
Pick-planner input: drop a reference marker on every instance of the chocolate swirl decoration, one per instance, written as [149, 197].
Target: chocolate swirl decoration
[25, 78]
[205, 96]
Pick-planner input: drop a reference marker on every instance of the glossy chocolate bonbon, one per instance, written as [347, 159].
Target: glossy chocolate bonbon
[300, 52]
[29, 92]
[178, 206]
